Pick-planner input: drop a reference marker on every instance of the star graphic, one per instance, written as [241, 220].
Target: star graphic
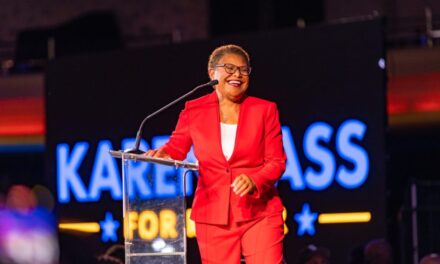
[109, 227]
[305, 220]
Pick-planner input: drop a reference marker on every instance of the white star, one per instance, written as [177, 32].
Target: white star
[109, 227]
[306, 220]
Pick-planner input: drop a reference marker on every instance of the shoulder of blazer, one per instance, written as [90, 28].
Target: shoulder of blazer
[202, 102]
[211, 100]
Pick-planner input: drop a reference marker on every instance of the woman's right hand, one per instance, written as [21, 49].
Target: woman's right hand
[157, 153]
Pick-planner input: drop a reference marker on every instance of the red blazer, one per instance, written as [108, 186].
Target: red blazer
[258, 153]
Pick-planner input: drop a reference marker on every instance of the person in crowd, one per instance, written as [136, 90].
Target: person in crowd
[432, 258]
[356, 255]
[238, 143]
[27, 230]
[378, 251]
[314, 255]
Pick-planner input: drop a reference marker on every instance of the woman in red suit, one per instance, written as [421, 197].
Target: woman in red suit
[238, 143]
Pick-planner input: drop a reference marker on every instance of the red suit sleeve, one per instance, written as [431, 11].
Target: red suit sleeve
[274, 156]
[180, 140]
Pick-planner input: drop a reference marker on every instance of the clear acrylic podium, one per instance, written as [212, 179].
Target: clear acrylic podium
[154, 227]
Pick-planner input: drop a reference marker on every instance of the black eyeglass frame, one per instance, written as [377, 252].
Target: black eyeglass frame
[235, 68]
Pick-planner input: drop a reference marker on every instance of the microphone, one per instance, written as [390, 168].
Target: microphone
[136, 149]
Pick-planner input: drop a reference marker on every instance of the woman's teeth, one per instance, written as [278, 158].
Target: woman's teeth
[234, 83]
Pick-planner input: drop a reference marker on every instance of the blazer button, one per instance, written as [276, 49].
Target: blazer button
[227, 170]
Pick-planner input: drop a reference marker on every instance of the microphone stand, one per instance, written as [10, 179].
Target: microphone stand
[136, 149]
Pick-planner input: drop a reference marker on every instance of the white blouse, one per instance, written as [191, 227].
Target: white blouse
[228, 132]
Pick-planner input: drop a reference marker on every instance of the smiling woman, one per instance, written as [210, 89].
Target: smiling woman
[237, 141]
[230, 66]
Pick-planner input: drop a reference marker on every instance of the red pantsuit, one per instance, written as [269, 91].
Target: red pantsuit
[258, 152]
[260, 241]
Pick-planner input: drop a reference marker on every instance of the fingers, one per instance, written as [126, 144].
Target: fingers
[157, 153]
[242, 185]
[150, 153]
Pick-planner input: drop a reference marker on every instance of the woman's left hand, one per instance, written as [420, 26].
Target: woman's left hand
[243, 185]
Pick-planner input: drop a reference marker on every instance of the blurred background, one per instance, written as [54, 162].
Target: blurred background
[33, 33]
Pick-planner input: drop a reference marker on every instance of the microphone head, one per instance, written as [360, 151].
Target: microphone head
[213, 82]
[134, 151]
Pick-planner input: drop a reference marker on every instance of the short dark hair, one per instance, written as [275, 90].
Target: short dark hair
[221, 51]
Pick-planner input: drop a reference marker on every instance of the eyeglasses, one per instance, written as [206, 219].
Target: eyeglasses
[231, 68]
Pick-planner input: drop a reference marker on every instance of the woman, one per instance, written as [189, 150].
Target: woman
[238, 144]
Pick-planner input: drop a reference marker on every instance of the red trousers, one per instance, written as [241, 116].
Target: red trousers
[259, 241]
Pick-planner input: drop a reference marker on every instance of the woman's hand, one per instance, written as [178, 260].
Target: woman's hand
[243, 185]
[157, 153]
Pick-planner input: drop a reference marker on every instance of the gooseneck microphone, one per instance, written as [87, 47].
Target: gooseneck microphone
[136, 149]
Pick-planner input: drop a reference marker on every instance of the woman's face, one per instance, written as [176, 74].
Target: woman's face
[231, 86]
